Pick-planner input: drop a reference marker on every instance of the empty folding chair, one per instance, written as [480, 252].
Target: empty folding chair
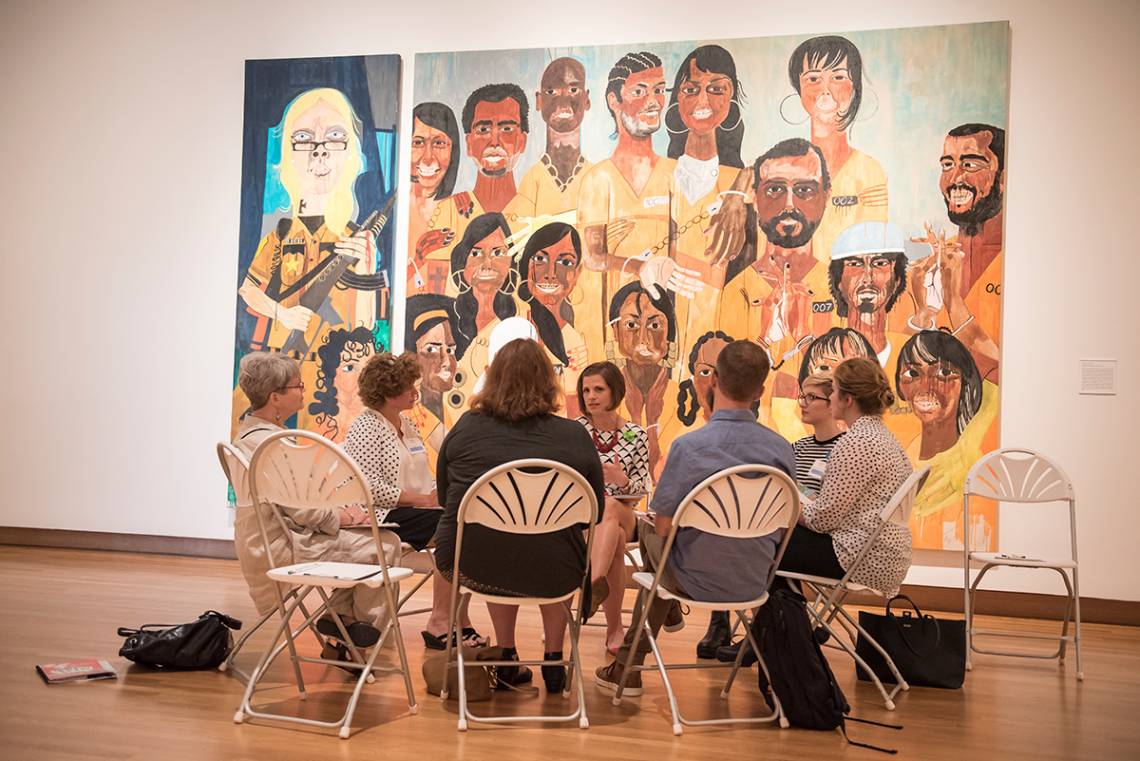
[297, 469]
[528, 497]
[742, 502]
[1025, 476]
[831, 594]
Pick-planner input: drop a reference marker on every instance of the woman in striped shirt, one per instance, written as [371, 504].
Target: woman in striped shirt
[812, 451]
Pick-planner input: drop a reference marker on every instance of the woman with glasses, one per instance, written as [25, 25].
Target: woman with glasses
[272, 382]
[812, 451]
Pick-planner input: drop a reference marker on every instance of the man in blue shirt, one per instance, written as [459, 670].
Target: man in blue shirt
[704, 566]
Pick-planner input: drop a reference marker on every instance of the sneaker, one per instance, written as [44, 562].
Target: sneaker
[718, 635]
[675, 618]
[609, 677]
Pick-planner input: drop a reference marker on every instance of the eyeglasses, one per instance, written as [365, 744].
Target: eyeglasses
[300, 385]
[806, 399]
[308, 146]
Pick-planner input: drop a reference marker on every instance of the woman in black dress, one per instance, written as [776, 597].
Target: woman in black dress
[511, 418]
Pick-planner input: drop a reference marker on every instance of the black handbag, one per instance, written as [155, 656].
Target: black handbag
[928, 652]
[200, 644]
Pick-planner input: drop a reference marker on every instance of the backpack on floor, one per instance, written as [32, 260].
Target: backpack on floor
[801, 676]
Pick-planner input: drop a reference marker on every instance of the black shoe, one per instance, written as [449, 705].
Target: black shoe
[512, 675]
[362, 634]
[727, 654]
[719, 634]
[554, 676]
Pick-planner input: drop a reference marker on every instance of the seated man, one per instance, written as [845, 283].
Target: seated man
[701, 565]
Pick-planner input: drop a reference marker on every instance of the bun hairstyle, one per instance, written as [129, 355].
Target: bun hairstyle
[863, 380]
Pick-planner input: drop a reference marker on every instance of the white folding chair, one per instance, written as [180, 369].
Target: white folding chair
[529, 497]
[831, 594]
[236, 469]
[742, 502]
[298, 469]
[1025, 476]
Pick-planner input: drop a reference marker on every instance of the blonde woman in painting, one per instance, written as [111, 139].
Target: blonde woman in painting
[957, 409]
[321, 157]
[827, 75]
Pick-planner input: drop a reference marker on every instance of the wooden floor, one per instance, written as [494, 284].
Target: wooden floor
[63, 604]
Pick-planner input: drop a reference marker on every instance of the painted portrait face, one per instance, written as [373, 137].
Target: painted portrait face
[790, 199]
[563, 99]
[597, 394]
[488, 263]
[553, 273]
[703, 371]
[352, 359]
[642, 331]
[826, 360]
[826, 93]
[970, 180]
[642, 101]
[867, 282]
[320, 140]
[705, 99]
[496, 140]
[933, 390]
[431, 156]
[435, 351]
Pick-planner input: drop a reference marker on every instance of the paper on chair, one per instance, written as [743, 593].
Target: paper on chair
[340, 571]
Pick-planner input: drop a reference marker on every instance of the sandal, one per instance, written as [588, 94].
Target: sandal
[472, 638]
[433, 642]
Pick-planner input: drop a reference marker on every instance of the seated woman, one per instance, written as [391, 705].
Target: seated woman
[865, 469]
[272, 383]
[812, 452]
[385, 444]
[514, 416]
[624, 450]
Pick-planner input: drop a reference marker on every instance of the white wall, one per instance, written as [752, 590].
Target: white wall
[121, 127]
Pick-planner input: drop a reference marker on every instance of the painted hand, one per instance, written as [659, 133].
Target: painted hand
[294, 318]
[663, 272]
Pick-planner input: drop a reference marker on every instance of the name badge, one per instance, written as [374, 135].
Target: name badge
[416, 447]
[818, 468]
[652, 201]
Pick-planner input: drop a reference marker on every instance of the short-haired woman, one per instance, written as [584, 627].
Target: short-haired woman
[272, 382]
[812, 452]
[513, 416]
[624, 451]
[865, 469]
[386, 445]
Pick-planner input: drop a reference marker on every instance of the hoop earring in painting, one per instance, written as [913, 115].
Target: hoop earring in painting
[577, 303]
[459, 283]
[786, 119]
[739, 118]
[877, 103]
[669, 129]
[511, 284]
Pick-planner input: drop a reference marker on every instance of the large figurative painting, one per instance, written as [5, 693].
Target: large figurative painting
[824, 196]
[315, 259]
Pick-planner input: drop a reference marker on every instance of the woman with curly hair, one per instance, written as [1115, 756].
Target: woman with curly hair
[385, 444]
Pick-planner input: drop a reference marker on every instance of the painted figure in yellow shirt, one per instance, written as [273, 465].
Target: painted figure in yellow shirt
[436, 219]
[706, 126]
[548, 273]
[429, 321]
[827, 76]
[483, 275]
[958, 287]
[623, 203]
[938, 377]
[548, 192]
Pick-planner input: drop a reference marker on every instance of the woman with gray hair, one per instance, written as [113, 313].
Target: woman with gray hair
[272, 382]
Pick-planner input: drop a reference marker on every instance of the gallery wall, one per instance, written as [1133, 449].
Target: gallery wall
[122, 127]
